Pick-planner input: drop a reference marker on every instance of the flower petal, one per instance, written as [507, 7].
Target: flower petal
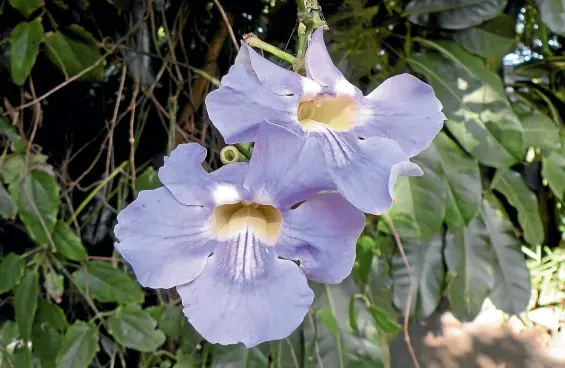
[246, 294]
[404, 109]
[285, 168]
[320, 67]
[365, 171]
[322, 233]
[241, 104]
[184, 176]
[166, 242]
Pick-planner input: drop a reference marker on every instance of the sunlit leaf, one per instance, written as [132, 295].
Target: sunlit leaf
[37, 197]
[463, 181]
[512, 288]
[147, 180]
[525, 201]
[427, 271]
[8, 209]
[539, 131]
[108, 284]
[24, 48]
[135, 329]
[469, 258]
[553, 170]
[551, 12]
[25, 303]
[453, 14]
[494, 38]
[79, 347]
[67, 243]
[73, 51]
[12, 270]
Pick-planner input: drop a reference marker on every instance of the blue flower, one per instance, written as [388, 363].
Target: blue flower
[227, 240]
[367, 140]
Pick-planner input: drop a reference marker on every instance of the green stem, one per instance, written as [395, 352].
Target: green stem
[95, 191]
[310, 18]
[338, 335]
[254, 41]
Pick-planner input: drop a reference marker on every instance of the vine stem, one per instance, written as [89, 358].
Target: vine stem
[254, 41]
[310, 18]
[408, 306]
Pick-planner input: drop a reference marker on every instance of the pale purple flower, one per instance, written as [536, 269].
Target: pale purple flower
[396, 121]
[227, 239]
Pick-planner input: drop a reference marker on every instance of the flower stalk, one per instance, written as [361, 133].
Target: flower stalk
[310, 18]
[252, 40]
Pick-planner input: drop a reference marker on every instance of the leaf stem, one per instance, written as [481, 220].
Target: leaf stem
[254, 41]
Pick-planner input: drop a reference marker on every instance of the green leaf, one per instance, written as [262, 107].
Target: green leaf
[383, 321]
[54, 285]
[8, 209]
[512, 186]
[73, 51]
[51, 314]
[363, 259]
[463, 181]
[79, 347]
[329, 320]
[120, 4]
[469, 258]
[475, 102]
[23, 358]
[494, 38]
[453, 14]
[135, 329]
[426, 264]
[46, 344]
[539, 131]
[26, 7]
[67, 243]
[512, 288]
[420, 201]
[553, 170]
[37, 197]
[173, 322]
[25, 304]
[12, 270]
[147, 180]
[551, 12]
[108, 284]
[24, 41]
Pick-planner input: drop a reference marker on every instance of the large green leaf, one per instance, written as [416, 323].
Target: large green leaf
[73, 51]
[553, 170]
[474, 100]
[8, 209]
[512, 288]
[525, 201]
[463, 181]
[453, 14]
[108, 284]
[427, 270]
[25, 304]
[37, 197]
[52, 315]
[12, 270]
[469, 258]
[552, 14]
[135, 329]
[23, 358]
[26, 7]
[539, 130]
[47, 342]
[24, 48]
[420, 202]
[79, 347]
[494, 38]
[67, 243]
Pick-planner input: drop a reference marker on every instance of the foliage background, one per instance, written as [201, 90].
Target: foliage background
[95, 93]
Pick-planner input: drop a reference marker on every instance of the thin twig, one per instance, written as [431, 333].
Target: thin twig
[408, 305]
[131, 136]
[228, 25]
[114, 117]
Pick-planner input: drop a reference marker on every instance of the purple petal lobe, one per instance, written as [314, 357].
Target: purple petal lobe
[184, 176]
[319, 67]
[242, 103]
[321, 233]
[166, 242]
[272, 77]
[364, 171]
[246, 294]
[285, 168]
[404, 109]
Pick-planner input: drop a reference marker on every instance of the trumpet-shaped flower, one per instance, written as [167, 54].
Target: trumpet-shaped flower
[228, 239]
[396, 121]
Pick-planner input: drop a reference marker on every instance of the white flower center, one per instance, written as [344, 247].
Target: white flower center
[338, 113]
[231, 219]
